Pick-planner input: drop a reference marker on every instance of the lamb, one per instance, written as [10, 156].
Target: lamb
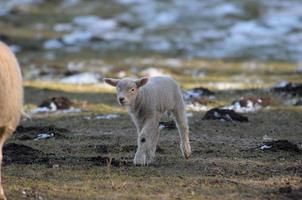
[147, 99]
[11, 98]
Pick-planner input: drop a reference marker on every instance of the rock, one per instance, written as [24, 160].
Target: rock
[56, 103]
[249, 104]
[224, 115]
[197, 93]
[299, 103]
[244, 101]
[287, 87]
[283, 145]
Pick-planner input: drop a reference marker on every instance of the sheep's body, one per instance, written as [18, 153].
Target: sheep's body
[151, 101]
[160, 94]
[11, 97]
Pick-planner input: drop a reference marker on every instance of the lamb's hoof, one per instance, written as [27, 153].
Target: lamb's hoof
[142, 159]
[187, 155]
[186, 151]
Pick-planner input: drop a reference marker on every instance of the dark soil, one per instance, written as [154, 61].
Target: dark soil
[107, 149]
[21, 154]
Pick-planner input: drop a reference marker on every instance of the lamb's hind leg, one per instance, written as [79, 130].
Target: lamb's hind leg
[183, 129]
[4, 133]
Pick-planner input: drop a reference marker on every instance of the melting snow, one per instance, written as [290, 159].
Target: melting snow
[53, 44]
[44, 136]
[195, 107]
[53, 109]
[82, 78]
[109, 116]
[153, 72]
[265, 147]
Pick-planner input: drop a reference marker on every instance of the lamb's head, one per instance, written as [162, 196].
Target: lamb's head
[127, 89]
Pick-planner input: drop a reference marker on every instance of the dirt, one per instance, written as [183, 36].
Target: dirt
[98, 153]
[22, 154]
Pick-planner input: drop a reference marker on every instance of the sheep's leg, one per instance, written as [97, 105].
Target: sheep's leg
[183, 129]
[3, 135]
[138, 124]
[146, 142]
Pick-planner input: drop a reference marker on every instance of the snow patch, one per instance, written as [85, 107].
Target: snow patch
[82, 78]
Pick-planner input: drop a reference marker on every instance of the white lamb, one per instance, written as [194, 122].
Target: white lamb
[147, 99]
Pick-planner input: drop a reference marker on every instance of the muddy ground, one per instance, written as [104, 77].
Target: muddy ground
[91, 158]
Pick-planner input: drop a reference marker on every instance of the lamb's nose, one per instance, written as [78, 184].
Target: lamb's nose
[121, 99]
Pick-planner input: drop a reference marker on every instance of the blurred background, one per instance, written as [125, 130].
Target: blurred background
[55, 39]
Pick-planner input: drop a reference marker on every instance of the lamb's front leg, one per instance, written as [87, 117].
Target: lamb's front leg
[146, 142]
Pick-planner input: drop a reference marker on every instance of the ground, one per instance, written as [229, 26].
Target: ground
[92, 158]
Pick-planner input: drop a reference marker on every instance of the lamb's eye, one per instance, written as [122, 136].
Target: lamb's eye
[132, 90]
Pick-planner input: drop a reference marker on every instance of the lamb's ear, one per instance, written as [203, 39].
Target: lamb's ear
[111, 81]
[142, 81]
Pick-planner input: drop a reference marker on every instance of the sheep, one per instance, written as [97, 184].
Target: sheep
[147, 99]
[11, 98]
